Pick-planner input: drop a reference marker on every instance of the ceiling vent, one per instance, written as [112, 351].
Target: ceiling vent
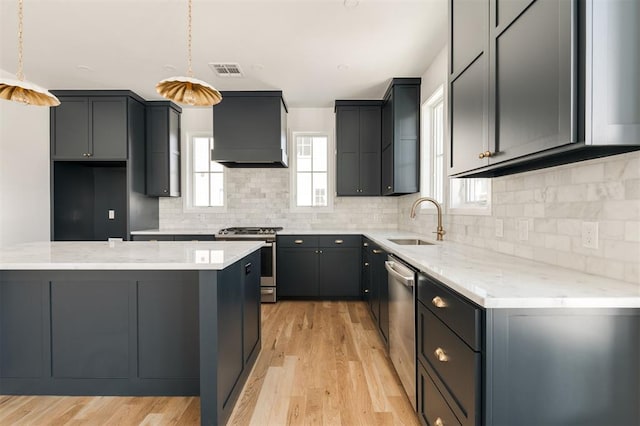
[226, 69]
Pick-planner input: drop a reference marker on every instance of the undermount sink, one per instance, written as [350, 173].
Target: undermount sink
[411, 242]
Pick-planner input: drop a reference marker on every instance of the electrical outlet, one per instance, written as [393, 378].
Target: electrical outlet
[523, 229]
[590, 235]
[112, 214]
[499, 228]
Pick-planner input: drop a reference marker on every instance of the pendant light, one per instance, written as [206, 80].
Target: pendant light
[20, 90]
[189, 90]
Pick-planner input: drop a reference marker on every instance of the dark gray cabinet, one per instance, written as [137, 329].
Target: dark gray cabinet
[358, 143]
[401, 137]
[376, 288]
[250, 129]
[163, 149]
[98, 166]
[89, 127]
[538, 83]
[312, 266]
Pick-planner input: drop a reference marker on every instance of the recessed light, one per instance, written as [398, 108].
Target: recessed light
[350, 4]
[342, 67]
[86, 68]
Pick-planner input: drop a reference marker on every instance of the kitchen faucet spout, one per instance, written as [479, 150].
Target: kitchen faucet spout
[440, 231]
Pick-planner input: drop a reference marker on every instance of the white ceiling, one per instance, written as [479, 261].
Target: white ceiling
[297, 46]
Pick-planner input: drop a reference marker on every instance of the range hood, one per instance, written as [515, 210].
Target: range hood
[250, 129]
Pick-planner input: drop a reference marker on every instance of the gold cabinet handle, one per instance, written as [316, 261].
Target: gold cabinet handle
[485, 154]
[339, 241]
[438, 422]
[366, 290]
[389, 187]
[441, 355]
[376, 251]
[298, 241]
[438, 302]
[366, 263]
[365, 245]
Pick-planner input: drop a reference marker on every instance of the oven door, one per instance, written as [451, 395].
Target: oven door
[268, 272]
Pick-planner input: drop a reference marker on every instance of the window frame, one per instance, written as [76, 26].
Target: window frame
[293, 175]
[187, 178]
[428, 147]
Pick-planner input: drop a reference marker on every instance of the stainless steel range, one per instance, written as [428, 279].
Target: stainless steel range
[267, 258]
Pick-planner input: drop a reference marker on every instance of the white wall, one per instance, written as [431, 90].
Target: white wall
[24, 172]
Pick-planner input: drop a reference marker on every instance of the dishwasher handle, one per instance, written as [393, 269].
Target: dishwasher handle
[407, 281]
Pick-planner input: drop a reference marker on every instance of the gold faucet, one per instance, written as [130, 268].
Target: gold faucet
[440, 230]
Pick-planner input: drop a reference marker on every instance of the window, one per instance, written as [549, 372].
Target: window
[433, 156]
[471, 195]
[311, 170]
[206, 178]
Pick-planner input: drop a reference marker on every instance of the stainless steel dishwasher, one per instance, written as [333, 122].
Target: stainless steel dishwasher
[402, 328]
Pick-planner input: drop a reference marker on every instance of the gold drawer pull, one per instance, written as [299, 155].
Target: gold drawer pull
[441, 355]
[438, 302]
[299, 241]
[365, 245]
[376, 251]
[485, 154]
[366, 263]
[438, 422]
[339, 241]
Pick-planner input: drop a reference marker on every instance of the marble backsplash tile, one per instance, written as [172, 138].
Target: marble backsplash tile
[555, 202]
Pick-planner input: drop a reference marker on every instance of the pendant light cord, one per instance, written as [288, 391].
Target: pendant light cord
[20, 74]
[190, 71]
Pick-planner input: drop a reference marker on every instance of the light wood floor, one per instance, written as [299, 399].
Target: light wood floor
[321, 363]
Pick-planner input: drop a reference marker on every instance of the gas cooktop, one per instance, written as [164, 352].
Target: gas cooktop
[250, 230]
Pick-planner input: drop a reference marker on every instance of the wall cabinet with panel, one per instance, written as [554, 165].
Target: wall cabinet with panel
[543, 82]
[98, 166]
[318, 266]
[163, 149]
[358, 144]
[401, 137]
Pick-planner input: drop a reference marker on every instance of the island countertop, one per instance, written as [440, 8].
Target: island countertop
[130, 255]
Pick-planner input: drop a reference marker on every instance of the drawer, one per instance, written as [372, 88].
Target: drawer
[339, 241]
[460, 315]
[454, 363]
[297, 241]
[433, 410]
[197, 237]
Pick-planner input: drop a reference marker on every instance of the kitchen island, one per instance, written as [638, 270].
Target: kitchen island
[130, 318]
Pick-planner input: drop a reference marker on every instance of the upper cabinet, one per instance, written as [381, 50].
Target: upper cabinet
[537, 83]
[250, 129]
[401, 137]
[358, 127]
[163, 149]
[88, 127]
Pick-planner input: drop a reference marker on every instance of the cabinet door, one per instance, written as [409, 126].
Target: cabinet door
[468, 84]
[348, 135]
[339, 272]
[297, 272]
[381, 283]
[70, 125]
[109, 128]
[366, 273]
[535, 80]
[387, 170]
[370, 140]
[251, 308]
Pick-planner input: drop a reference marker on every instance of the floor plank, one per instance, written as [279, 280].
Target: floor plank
[322, 363]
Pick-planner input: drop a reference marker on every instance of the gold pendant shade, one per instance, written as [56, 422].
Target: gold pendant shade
[20, 90]
[189, 90]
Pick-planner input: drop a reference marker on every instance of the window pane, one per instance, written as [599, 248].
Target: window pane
[201, 154]
[217, 189]
[319, 189]
[201, 189]
[320, 154]
[304, 189]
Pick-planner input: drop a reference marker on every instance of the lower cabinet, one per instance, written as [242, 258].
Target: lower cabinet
[318, 266]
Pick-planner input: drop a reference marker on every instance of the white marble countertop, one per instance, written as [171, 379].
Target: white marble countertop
[496, 280]
[131, 255]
